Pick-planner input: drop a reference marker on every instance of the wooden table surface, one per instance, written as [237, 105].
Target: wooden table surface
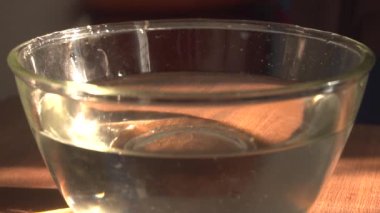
[25, 184]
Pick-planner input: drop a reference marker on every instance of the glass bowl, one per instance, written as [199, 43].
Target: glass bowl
[191, 115]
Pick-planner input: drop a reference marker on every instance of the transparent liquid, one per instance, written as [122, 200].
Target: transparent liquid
[156, 162]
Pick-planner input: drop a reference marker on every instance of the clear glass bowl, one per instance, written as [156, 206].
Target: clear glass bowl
[191, 115]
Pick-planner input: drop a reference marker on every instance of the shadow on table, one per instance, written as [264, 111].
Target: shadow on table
[364, 141]
[22, 199]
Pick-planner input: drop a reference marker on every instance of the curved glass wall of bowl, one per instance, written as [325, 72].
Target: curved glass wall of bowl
[191, 115]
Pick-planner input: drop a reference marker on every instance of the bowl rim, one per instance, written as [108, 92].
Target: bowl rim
[84, 90]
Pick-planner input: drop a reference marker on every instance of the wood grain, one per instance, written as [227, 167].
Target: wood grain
[355, 184]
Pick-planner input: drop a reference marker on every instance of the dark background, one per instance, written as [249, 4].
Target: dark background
[358, 19]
